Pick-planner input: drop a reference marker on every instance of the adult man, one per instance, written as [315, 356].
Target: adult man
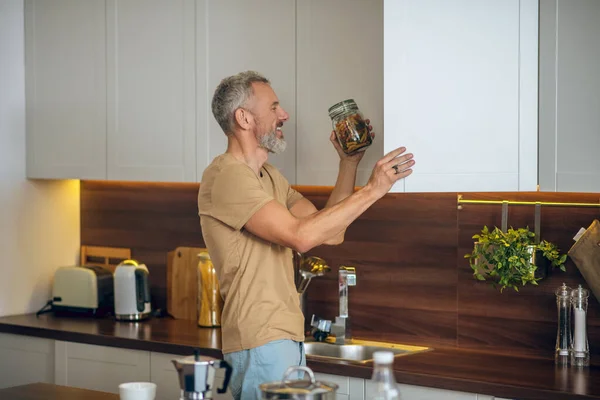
[251, 218]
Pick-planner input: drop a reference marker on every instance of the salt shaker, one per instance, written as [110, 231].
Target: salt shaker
[580, 353]
[563, 334]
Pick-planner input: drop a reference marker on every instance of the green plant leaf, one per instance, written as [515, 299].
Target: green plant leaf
[504, 257]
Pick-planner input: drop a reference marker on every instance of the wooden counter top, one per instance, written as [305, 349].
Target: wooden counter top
[497, 375]
[47, 391]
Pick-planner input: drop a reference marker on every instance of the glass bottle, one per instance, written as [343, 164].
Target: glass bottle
[580, 354]
[210, 303]
[350, 127]
[563, 334]
[383, 377]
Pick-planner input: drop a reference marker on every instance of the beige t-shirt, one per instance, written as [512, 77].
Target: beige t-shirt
[256, 277]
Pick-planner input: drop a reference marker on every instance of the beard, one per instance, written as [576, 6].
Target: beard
[270, 142]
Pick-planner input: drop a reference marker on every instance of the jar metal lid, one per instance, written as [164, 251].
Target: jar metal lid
[342, 107]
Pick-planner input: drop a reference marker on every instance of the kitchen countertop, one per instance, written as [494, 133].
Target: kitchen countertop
[499, 375]
[47, 391]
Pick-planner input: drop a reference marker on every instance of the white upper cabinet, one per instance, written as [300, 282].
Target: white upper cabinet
[122, 89]
[151, 90]
[569, 95]
[239, 35]
[339, 56]
[460, 82]
[65, 66]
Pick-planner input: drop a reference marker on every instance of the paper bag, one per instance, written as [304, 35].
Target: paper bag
[585, 253]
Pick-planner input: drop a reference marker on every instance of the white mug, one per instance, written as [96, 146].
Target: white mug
[137, 391]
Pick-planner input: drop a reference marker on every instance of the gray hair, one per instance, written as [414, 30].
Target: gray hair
[231, 94]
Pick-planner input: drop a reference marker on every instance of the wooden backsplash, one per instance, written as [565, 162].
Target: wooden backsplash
[413, 283]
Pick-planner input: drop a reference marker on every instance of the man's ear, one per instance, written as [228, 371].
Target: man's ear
[243, 118]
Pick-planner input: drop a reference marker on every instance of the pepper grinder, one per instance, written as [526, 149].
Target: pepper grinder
[580, 353]
[563, 334]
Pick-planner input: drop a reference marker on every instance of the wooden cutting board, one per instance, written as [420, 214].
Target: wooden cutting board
[182, 283]
[107, 257]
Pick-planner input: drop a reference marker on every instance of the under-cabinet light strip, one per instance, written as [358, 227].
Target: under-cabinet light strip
[527, 203]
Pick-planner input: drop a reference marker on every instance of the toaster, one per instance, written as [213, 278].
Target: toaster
[83, 290]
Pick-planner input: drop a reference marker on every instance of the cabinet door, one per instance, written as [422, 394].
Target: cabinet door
[411, 392]
[348, 388]
[98, 367]
[25, 360]
[340, 56]
[461, 92]
[162, 372]
[569, 87]
[151, 90]
[240, 35]
[65, 76]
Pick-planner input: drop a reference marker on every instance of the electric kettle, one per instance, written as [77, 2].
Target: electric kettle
[132, 291]
[197, 376]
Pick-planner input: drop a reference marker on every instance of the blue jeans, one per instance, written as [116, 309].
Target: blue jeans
[263, 364]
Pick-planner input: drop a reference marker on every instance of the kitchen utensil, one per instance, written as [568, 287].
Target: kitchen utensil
[197, 376]
[182, 283]
[563, 334]
[306, 268]
[107, 257]
[137, 391]
[309, 268]
[580, 351]
[299, 389]
[132, 291]
[210, 303]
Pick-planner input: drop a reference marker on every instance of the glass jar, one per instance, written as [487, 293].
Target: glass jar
[350, 127]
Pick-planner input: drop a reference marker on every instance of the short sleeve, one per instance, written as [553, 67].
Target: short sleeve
[236, 195]
[292, 197]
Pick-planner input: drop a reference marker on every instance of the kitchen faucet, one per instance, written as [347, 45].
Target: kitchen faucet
[341, 327]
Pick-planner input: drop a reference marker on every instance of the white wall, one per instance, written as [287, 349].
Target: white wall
[39, 220]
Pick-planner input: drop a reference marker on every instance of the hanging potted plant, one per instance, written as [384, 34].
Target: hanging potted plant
[512, 258]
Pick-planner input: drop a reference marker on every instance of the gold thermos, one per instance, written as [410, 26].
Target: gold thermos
[210, 303]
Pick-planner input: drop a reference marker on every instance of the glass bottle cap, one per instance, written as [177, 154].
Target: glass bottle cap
[383, 357]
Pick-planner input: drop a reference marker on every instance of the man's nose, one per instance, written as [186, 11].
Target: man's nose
[284, 116]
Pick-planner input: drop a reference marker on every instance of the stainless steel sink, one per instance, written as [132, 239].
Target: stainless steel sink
[358, 351]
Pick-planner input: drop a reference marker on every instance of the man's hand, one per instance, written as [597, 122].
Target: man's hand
[391, 168]
[352, 158]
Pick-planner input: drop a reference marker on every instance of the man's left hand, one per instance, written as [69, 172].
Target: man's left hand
[350, 158]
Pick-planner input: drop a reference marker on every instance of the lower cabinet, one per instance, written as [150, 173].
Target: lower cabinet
[162, 372]
[363, 389]
[412, 392]
[25, 359]
[98, 367]
[348, 388]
